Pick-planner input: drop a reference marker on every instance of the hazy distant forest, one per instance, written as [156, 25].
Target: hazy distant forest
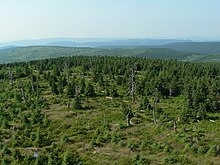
[109, 110]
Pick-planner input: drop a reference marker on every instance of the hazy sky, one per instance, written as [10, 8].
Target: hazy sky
[30, 19]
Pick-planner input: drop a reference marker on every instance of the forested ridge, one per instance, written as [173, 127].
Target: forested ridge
[195, 47]
[25, 54]
[109, 110]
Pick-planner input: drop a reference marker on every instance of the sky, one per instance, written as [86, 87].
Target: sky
[35, 19]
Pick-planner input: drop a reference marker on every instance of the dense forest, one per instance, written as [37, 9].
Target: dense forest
[195, 47]
[109, 110]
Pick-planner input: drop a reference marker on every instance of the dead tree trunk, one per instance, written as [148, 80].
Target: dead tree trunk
[170, 92]
[76, 60]
[154, 115]
[21, 88]
[87, 100]
[156, 100]
[184, 128]
[191, 140]
[66, 67]
[11, 77]
[68, 103]
[196, 136]
[32, 86]
[90, 62]
[104, 113]
[132, 85]
[174, 125]
[105, 118]
[128, 118]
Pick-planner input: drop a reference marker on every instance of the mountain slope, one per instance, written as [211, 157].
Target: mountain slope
[92, 42]
[17, 54]
[42, 52]
[195, 47]
[38, 52]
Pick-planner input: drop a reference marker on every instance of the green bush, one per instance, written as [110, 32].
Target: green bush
[64, 139]
[155, 147]
[143, 146]
[123, 143]
[176, 159]
[194, 148]
[140, 160]
[187, 148]
[95, 142]
[212, 151]
[70, 158]
[16, 154]
[166, 149]
[202, 150]
[107, 137]
[4, 161]
[136, 120]
[5, 150]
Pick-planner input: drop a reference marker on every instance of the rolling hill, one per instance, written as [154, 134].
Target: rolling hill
[42, 52]
[195, 47]
[91, 42]
[18, 54]
[184, 50]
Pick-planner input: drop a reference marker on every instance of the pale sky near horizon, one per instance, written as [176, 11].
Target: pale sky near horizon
[34, 19]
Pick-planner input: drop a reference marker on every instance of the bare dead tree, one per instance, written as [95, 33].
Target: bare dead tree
[196, 135]
[90, 62]
[109, 70]
[104, 113]
[68, 103]
[11, 77]
[21, 89]
[105, 117]
[136, 68]
[193, 100]
[127, 111]
[184, 128]
[132, 85]
[76, 59]
[66, 68]
[38, 91]
[32, 86]
[128, 118]
[174, 125]
[191, 140]
[77, 91]
[156, 101]
[170, 92]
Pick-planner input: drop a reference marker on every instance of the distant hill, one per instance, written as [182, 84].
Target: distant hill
[37, 42]
[7, 47]
[195, 47]
[17, 54]
[42, 52]
[184, 46]
[39, 52]
[93, 42]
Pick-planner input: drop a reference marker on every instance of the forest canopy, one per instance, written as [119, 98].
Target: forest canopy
[81, 109]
